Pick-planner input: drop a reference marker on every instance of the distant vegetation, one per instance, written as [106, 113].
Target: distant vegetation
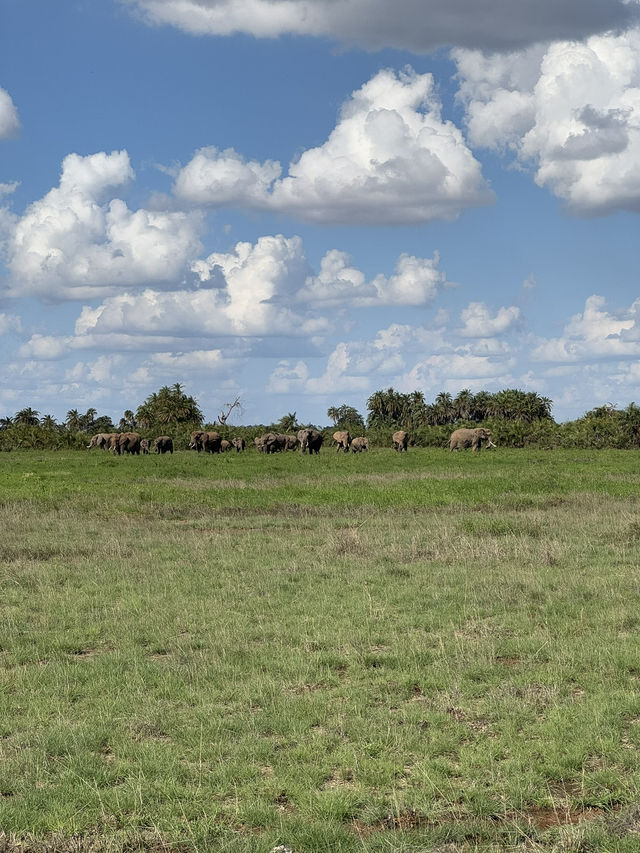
[516, 419]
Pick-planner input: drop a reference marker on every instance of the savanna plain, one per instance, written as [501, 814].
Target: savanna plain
[377, 652]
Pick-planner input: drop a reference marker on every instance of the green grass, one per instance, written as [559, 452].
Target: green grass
[380, 652]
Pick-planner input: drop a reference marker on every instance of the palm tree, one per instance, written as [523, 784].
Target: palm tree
[27, 417]
[443, 405]
[287, 423]
[87, 420]
[481, 406]
[345, 417]
[73, 421]
[48, 422]
[5, 423]
[463, 405]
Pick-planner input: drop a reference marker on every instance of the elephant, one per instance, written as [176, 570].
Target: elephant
[163, 444]
[128, 442]
[264, 442]
[343, 440]
[400, 440]
[473, 438]
[279, 442]
[270, 442]
[238, 443]
[144, 446]
[359, 444]
[286, 442]
[225, 445]
[310, 439]
[292, 442]
[208, 441]
[112, 442]
[100, 440]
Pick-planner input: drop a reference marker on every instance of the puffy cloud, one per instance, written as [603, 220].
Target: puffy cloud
[243, 294]
[223, 177]
[570, 108]
[594, 335]
[9, 323]
[74, 244]
[287, 377]
[458, 370]
[396, 356]
[390, 159]
[9, 121]
[416, 282]
[404, 24]
[8, 188]
[179, 365]
[478, 322]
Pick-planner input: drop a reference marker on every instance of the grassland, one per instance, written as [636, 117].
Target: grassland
[420, 652]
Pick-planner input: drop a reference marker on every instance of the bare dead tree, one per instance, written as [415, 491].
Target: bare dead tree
[227, 409]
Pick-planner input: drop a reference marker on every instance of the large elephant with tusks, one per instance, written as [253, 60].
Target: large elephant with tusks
[310, 440]
[473, 438]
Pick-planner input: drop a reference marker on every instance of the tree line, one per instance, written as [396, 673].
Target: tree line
[516, 419]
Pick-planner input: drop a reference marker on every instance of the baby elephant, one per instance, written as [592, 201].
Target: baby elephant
[144, 446]
[359, 444]
[163, 444]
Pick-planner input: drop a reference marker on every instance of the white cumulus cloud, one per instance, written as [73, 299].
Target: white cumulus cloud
[572, 109]
[479, 323]
[595, 334]
[416, 281]
[391, 158]
[75, 243]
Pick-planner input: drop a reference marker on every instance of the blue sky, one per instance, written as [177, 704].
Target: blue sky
[300, 202]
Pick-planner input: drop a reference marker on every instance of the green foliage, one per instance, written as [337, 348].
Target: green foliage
[168, 407]
[346, 417]
[287, 424]
[411, 412]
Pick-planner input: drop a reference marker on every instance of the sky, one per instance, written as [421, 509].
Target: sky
[299, 202]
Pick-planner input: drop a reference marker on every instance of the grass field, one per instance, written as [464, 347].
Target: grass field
[416, 652]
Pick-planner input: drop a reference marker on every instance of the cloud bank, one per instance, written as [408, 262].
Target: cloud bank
[416, 25]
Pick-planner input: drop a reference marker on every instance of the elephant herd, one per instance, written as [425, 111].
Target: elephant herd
[308, 440]
[130, 442]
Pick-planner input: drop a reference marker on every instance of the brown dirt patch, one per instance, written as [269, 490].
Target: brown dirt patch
[545, 817]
